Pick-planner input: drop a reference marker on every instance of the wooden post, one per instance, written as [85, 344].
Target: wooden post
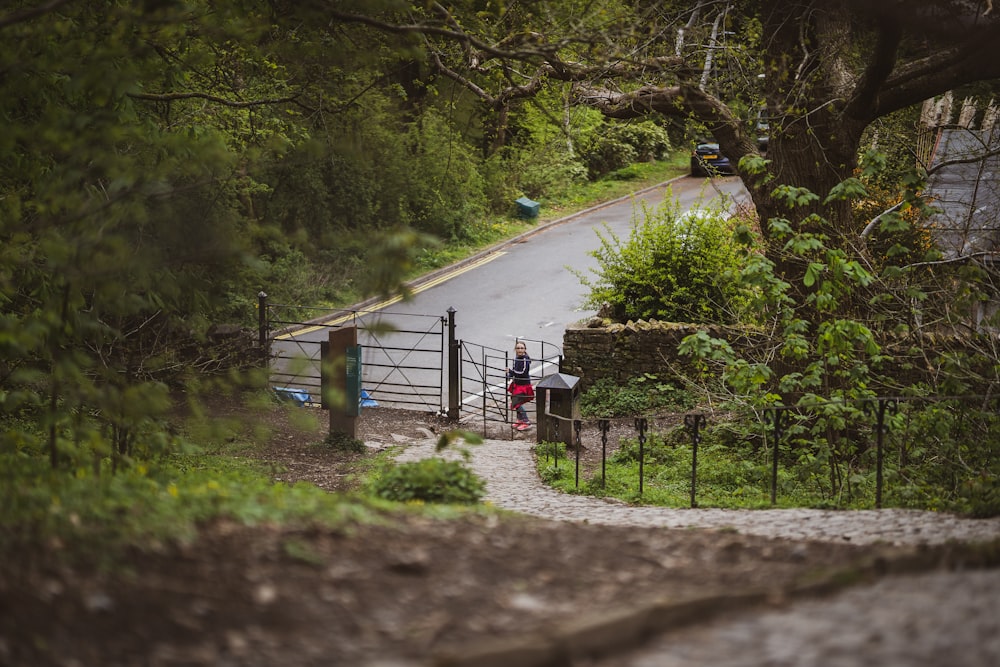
[342, 378]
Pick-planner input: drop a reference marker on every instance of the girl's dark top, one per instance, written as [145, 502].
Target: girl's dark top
[521, 372]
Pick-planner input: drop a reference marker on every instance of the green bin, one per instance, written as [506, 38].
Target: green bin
[527, 208]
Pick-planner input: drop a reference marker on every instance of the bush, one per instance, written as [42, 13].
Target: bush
[675, 266]
[618, 145]
[342, 442]
[640, 395]
[431, 480]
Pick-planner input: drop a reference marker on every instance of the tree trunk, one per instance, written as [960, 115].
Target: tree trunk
[811, 148]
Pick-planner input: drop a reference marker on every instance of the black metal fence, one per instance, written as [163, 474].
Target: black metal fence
[954, 438]
[409, 361]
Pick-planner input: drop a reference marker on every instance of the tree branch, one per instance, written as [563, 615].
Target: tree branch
[494, 101]
[543, 51]
[882, 62]
[915, 81]
[979, 157]
[169, 97]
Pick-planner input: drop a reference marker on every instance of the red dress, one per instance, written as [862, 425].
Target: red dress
[520, 388]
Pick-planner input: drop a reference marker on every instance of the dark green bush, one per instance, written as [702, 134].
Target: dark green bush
[618, 145]
[550, 450]
[983, 496]
[675, 266]
[344, 443]
[431, 480]
[640, 395]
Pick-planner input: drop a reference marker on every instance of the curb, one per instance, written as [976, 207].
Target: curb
[601, 634]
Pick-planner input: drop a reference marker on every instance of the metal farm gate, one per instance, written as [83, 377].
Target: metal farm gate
[483, 378]
[409, 361]
[402, 353]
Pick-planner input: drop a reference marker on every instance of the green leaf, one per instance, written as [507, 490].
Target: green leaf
[812, 273]
[851, 188]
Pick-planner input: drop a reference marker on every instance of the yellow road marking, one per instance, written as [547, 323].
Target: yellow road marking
[444, 277]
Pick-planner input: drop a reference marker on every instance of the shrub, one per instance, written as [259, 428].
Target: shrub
[431, 480]
[675, 266]
[640, 395]
[342, 442]
[618, 145]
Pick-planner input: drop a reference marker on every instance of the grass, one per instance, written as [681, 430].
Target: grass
[99, 516]
[726, 478]
[735, 468]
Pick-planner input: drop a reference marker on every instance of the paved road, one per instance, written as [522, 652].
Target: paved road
[527, 289]
[933, 619]
[524, 289]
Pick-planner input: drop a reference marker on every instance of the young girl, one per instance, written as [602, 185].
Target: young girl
[520, 388]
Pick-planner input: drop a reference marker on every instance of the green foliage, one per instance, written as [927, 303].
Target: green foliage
[96, 517]
[675, 266]
[945, 455]
[639, 396]
[728, 476]
[619, 145]
[431, 480]
[982, 495]
[550, 451]
[553, 466]
[549, 171]
[938, 455]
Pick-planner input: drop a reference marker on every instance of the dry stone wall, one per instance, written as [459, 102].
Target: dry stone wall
[599, 348]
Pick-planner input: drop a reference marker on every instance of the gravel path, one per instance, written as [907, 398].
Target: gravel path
[512, 483]
[932, 619]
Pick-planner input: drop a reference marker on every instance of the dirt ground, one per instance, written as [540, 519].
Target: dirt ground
[411, 590]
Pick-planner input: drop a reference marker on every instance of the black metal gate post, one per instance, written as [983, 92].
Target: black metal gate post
[454, 353]
[880, 430]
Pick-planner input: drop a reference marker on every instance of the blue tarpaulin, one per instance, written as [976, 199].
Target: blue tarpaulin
[298, 396]
[301, 398]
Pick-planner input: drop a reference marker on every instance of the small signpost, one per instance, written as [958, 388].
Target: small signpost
[341, 377]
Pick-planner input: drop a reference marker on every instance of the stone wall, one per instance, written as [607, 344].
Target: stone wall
[598, 348]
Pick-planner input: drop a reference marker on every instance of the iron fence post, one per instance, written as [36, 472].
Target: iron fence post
[779, 416]
[576, 432]
[694, 424]
[880, 429]
[640, 425]
[604, 425]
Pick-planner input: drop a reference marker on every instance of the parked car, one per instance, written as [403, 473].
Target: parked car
[706, 160]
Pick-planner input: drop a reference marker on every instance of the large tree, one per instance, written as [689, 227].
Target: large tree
[824, 70]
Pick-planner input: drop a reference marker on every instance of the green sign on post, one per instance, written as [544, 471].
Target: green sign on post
[352, 393]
